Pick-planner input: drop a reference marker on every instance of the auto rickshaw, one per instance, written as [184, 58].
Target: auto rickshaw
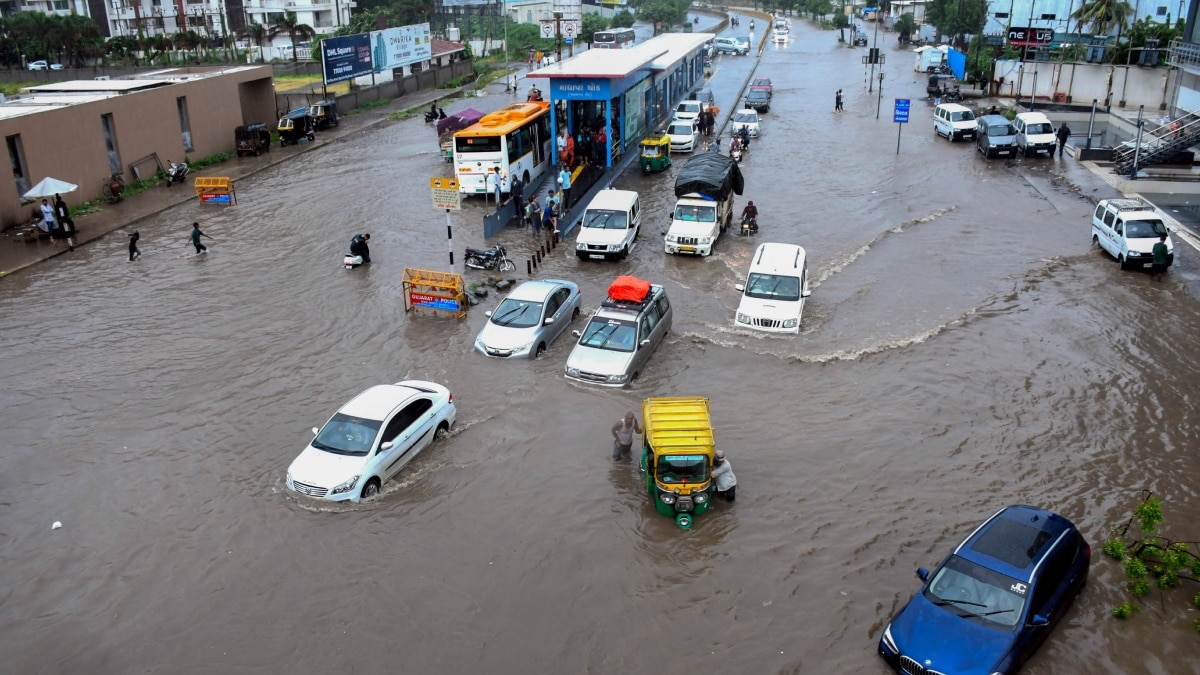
[324, 114]
[252, 139]
[677, 456]
[295, 125]
[656, 153]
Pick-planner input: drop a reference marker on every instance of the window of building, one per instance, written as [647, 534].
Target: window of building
[184, 127]
[16, 155]
[110, 142]
[61, 5]
[1162, 11]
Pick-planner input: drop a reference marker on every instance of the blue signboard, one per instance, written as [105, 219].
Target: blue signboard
[580, 89]
[900, 116]
[345, 58]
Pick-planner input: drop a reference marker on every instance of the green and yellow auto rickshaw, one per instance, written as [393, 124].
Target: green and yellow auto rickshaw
[677, 456]
[656, 153]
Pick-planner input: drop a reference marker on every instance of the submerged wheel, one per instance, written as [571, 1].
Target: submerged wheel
[507, 266]
[541, 349]
[441, 432]
[371, 489]
[575, 314]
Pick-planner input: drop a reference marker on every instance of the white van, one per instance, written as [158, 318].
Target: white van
[1035, 134]
[1128, 229]
[610, 224]
[775, 289]
[955, 122]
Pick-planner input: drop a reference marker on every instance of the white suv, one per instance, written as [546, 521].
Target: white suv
[1128, 229]
[775, 289]
[1035, 134]
[610, 224]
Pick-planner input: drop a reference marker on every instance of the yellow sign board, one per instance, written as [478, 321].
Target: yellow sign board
[445, 193]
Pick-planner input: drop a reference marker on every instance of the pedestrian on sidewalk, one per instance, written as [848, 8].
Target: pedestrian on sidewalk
[63, 214]
[134, 253]
[533, 216]
[49, 225]
[837, 102]
[564, 182]
[1063, 133]
[499, 187]
[196, 234]
[517, 190]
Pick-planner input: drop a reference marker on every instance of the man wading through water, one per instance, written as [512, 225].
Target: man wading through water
[623, 432]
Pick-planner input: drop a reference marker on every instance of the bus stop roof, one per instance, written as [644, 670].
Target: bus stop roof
[657, 53]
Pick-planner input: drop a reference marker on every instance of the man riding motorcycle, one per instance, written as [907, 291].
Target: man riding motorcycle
[358, 246]
[750, 217]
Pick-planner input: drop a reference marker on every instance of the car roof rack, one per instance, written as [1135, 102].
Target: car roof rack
[1131, 204]
[632, 305]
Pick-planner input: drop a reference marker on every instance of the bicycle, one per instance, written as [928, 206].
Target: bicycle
[112, 188]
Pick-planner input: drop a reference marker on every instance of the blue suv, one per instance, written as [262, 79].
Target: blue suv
[993, 600]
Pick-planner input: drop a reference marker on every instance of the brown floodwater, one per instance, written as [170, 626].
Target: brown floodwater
[964, 348]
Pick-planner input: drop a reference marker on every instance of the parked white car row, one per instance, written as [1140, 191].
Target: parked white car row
[1031, 132]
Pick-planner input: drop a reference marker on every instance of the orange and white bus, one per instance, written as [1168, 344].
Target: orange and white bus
[515, 138]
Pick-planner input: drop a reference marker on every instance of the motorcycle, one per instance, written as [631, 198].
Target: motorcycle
[735, 149]
[952, 95]
[749, 226]
[492, 258]
[431, 116]
[751, 24]
[176, 173]
[535, 94]
[351, 261]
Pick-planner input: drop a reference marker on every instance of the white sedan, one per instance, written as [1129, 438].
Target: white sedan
[529, 319]
[745, 118]
[683, 135]
[370, 439]
[42, 65]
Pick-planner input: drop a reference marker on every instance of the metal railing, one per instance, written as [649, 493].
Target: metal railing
[1158, 144]
[1183, 54]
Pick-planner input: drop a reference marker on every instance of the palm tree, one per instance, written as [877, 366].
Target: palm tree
[257, 33]
[291, 25]
[1102, 14]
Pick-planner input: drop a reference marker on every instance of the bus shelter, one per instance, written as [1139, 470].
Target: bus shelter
[607, 100]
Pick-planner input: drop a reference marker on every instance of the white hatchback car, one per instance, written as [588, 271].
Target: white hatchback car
[683, 135]
[745, 118]
[370, 439]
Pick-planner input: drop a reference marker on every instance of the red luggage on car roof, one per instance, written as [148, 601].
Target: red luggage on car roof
[629, 289]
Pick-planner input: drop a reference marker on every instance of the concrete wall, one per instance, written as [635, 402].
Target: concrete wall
[392, 89]
[1130, 86]
[68, 142]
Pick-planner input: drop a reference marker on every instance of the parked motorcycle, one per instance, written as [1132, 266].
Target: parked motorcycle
[952, 95]
[176, 173]
[492, 258]
[749, 226]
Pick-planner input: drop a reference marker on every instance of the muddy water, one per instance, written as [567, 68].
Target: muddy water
[963, 349]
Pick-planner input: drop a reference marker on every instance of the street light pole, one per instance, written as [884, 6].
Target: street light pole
[875, 57]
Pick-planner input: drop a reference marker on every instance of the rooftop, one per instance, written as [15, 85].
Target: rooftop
[657, 53]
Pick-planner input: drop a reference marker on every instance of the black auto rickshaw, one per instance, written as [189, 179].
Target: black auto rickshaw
[295, 125]
[252, 139]
[324, 114]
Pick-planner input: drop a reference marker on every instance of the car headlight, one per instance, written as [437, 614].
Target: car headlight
[613, 248]
[345, 487]
[789, 323]
[572, 372]
[666, 498]
[742, 318]
[888, 641]
[580, 246]
[480, 343]
[670, 238]
[701, 497]
[618, 378]
[1133, 252]
[289, 478]
[705, 240]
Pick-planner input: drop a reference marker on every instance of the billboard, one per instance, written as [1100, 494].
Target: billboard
[396, 47]
[1030, 37]
[345, 58]
[466, 3]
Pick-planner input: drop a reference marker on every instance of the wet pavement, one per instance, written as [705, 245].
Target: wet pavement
[964, 348]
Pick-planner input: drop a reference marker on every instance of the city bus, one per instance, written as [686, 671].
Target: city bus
[613, 39]
[515, 138]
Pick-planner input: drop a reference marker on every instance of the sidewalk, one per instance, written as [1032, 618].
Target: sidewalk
[16, 254]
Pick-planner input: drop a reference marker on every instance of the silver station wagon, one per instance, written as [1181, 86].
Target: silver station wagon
[619, 339]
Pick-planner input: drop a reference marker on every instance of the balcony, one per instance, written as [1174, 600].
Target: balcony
[1184, 55]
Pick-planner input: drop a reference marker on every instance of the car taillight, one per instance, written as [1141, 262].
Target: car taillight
[451, 397]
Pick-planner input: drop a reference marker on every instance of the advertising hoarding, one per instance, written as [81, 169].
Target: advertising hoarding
[397, 47]
[345, 58]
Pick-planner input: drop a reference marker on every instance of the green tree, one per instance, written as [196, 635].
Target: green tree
[288, 23]
[818, 8]
[591, 24]
[905, 26]
[622, 19]
[957, 18]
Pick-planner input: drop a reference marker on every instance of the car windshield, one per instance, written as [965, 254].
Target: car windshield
[610, 334]
[977, 593]
[773, 287]
[962, 116]
[745, 118]
[757, 94]
[685, 129]
[517, 313]
[682, 469]
[345, 435]
[605, 219]
[1039, 128]
[688, 107]
[696, 214]
[762, 82]
[1144, 229]
[1001, 130]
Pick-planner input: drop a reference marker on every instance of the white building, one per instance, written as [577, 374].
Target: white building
[215, 18]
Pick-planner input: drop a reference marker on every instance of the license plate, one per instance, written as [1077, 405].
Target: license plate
[595, 256]
[687, 249]
[1002, 152]
[1147, 264]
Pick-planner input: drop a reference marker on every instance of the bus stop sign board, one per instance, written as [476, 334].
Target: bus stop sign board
[900, 116]
[445, 193]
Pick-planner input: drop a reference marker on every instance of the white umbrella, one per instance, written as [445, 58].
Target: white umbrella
[50, 187]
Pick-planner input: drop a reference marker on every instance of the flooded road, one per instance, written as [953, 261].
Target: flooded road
[964, 348]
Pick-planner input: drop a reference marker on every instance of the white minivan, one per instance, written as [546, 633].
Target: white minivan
[610, 224]
[955, 122]
[1128, 229]
[775, 289]
[1035, 134]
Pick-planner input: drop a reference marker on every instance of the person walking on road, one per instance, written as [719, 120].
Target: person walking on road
[564, 182]
[1063, 134]
[722, 473]
[196, 234]
[622, 433]
[134, 253]
[837, 102]
[1158, 258]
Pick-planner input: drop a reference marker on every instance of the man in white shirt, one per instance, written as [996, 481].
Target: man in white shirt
[722, 473]
[623, 432]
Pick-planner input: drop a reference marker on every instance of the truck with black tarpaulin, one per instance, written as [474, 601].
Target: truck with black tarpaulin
[705, 187]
